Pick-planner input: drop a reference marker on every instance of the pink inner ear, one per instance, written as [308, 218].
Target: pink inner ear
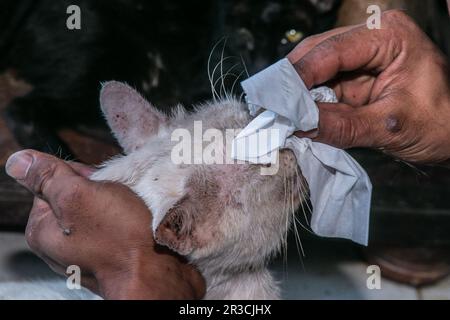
[173, 233]
[131, 118]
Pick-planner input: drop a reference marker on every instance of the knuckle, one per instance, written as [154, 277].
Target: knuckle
[72, 193]
[76, 191]
[395, 17]
[43, 176]
[328, 43]
[310, 40]
[362, 131]
[302, 68]
[341, 132]
[350, 129]
[354, 131]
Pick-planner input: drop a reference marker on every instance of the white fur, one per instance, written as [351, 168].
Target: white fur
[255, 211]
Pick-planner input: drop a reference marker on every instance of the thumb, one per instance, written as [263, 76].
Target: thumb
[344, 126]
[44, 175]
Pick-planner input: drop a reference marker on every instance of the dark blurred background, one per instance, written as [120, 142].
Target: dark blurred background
[50, 77]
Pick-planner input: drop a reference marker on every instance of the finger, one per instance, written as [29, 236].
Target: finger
[343, 126]
[55, 266]
[310, 42]
[41, 228]
[353, 89]
[358, 48]
[46, 238]
[82, 169]
[336, 54]
[324, 107]
[40, 207]
[41, 223]
[89, 282]
[87, 279]
[46, 177]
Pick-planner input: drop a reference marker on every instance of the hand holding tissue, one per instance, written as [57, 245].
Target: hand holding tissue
[340, 189]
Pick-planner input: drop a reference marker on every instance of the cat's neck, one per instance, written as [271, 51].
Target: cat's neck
[244, 285]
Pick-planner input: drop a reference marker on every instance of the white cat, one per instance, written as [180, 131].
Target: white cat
[228, 220]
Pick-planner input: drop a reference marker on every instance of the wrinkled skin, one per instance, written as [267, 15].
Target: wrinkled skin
[393, 87]
[102, 227]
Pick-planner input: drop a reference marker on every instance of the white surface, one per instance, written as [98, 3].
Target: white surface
[24, 276]
[439, 291]
[332, 270]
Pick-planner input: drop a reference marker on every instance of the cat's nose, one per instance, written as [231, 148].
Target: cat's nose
[288, 161]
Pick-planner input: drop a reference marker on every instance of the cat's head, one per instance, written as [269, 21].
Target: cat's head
[202, 210]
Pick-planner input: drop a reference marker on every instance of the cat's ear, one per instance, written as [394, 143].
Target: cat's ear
[177, 229]
[184, 228]
[131, 118]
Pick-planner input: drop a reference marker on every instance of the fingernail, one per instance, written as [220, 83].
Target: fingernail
[312, 134]
[308, 134]
[18, 165]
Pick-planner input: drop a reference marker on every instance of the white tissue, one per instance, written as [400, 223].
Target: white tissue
[340, 190]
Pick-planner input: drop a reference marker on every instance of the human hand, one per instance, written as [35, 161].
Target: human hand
[392, 84]
[103, 228]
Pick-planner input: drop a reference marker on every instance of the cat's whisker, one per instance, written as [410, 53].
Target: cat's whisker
[415, 169]
[298, 241]
[284, 240]
[245, 66]
[211, 75]
[303, 226]
[302, 206]
[302, 194]
[288, 211]
[213, 82]
[223, 93]
[70, 158]
[306, 219]
[229, 93]
[221, 78]
[241, 95]
[222, 87]
[50, 148]
[235, 81]
[224, 76]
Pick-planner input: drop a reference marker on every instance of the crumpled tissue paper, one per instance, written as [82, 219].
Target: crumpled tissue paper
[340, 189]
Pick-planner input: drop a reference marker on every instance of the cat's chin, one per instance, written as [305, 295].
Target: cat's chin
[248, 285]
